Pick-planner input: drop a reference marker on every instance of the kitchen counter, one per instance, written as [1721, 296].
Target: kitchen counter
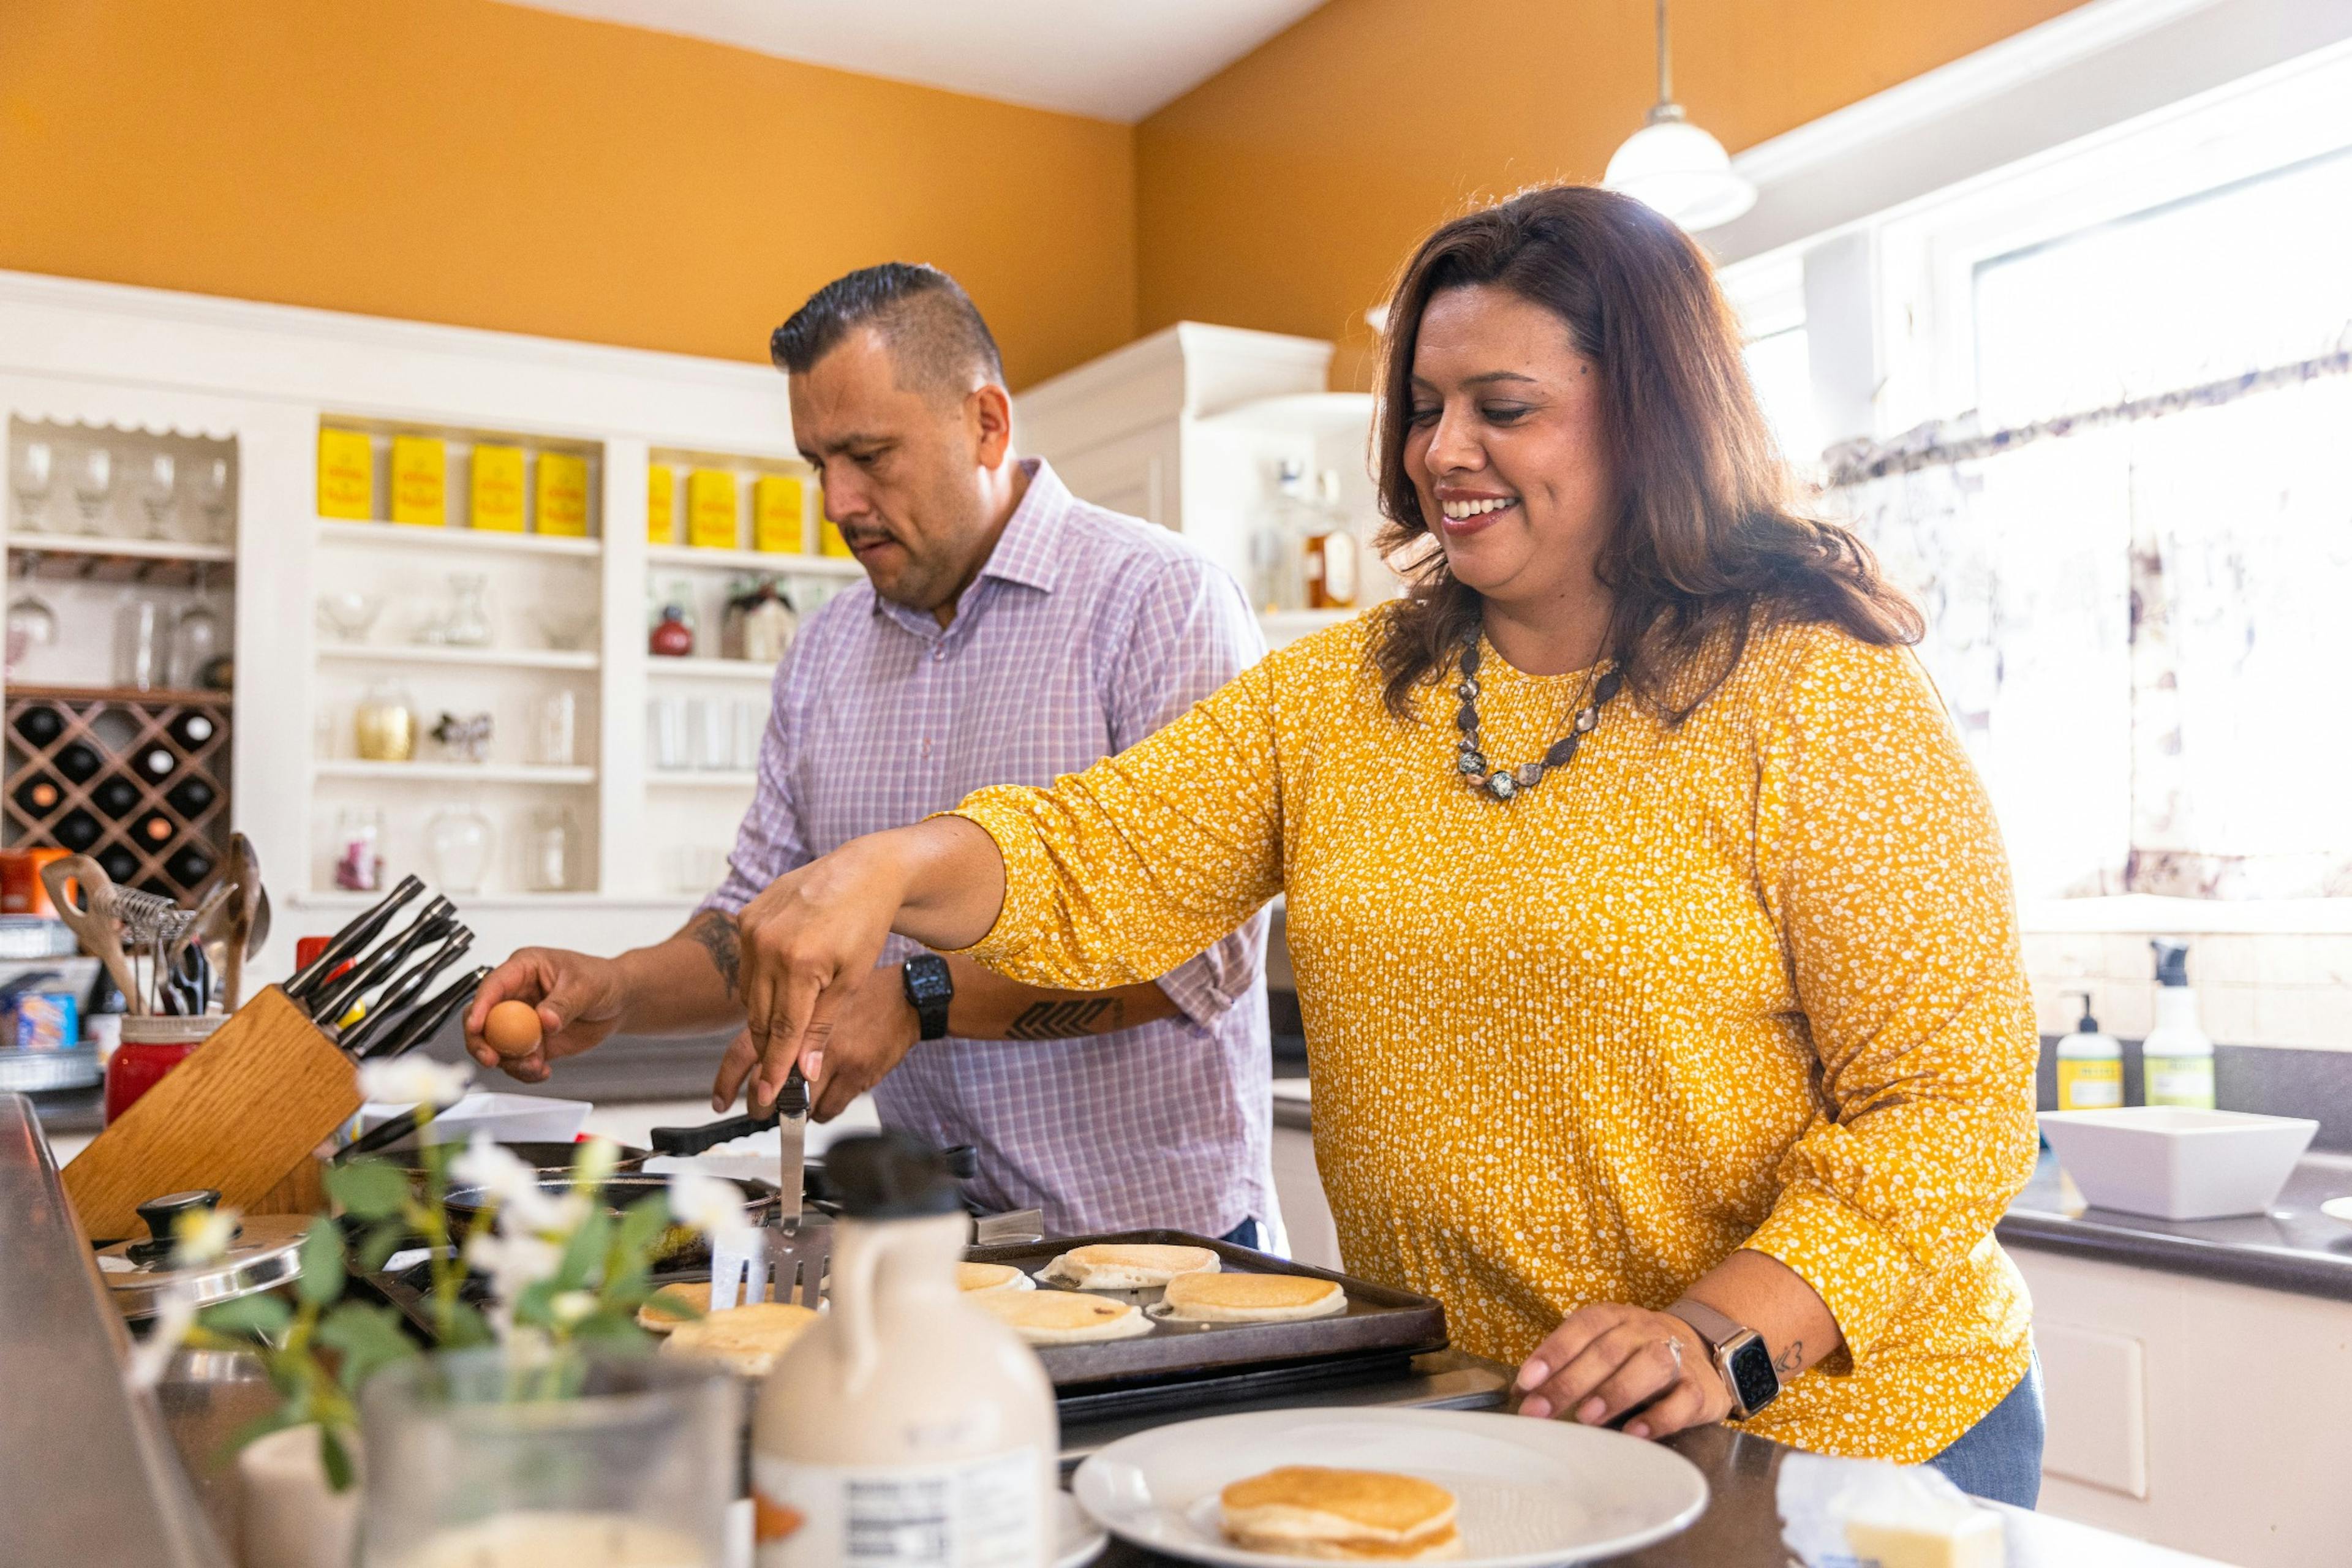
[2292, 1247]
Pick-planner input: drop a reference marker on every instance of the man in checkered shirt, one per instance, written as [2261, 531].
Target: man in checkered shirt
[1008, 633]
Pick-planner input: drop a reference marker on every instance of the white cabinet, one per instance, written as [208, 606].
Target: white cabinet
[2198, 1414]
[1190, 427]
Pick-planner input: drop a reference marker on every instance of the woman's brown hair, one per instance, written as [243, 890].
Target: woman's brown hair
[1705, 546]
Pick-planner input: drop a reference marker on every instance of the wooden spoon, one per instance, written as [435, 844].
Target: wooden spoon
[248, 917]
[92, 919]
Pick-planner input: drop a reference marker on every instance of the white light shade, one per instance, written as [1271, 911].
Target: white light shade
[1674, 167]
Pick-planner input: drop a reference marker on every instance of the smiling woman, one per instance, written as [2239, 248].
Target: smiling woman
[1692, 1081]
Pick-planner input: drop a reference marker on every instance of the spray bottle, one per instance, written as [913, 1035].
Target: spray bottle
[2090, 1066]
[2177, 1055]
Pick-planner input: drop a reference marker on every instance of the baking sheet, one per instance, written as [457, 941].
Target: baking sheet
[1380, 1321]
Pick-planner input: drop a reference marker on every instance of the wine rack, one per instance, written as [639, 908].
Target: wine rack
[137, 780]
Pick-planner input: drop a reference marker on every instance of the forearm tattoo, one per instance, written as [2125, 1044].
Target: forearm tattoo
[1068, 1020]
[718, 934]
[1793, 1360]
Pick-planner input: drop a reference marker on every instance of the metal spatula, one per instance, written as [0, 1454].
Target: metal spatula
[792, 1249]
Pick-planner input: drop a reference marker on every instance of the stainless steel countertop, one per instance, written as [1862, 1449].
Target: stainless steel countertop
[88, 1475]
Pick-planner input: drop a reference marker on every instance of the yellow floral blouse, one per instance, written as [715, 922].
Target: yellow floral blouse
[1752, 981]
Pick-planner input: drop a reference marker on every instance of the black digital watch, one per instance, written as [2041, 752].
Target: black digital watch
[930, 988]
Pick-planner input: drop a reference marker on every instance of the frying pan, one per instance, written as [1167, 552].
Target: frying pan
[679, 1246]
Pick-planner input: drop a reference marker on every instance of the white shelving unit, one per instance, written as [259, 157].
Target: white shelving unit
[120, 549]
[484, 658]
[764, 563]
[453, 773]
[463, 540]
[703, 778]
[711, 669]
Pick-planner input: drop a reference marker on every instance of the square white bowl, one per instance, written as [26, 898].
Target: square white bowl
[2172, 1162]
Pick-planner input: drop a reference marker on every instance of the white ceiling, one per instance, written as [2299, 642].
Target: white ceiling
[1113, 59]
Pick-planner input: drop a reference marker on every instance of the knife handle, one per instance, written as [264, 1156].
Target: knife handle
[428, 1015]
[401, 992]
[682, 1141]
[793, 1100]
[437, 920]
[353, 937]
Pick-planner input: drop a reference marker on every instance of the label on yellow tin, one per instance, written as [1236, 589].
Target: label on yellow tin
[661, 504]
[498, 495]
[564, 495]
[346, 474]
[777, 515]
[2094, 1083]
[711, 520]
[419, 481]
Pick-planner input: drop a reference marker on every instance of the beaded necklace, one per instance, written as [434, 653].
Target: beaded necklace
[1503, 783]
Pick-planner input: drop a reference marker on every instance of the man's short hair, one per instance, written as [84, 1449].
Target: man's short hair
[937, 342]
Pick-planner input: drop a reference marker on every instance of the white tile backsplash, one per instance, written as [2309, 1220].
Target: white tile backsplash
[2254, 989]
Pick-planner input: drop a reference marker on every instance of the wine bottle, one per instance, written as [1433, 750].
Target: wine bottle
[39, 726]
[116, 796]
[194, 728]
[191, 797]
[189, 864]
[77, 830]
[155, 762]
[78, 762]
[40, 795]
[118, 863]
[155, 830]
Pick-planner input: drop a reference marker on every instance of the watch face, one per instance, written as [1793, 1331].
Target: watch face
[1753, 1379]
[929, 981]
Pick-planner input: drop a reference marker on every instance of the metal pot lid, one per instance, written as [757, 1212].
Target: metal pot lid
[265, 1254]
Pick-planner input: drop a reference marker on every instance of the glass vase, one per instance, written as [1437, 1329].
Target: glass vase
[609, 1461]
[457, 846]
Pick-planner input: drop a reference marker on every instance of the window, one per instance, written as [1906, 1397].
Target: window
[1780, 365]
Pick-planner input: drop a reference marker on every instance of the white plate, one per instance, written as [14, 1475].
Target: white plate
[1078, 1540]
[2337, 1208]
[1531, 1493]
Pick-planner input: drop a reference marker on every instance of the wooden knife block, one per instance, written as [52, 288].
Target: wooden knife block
[241, 1114]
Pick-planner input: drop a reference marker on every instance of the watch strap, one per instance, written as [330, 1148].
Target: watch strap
[1713, 1327]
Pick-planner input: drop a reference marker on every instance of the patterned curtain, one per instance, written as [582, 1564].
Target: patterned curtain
[2141, 619]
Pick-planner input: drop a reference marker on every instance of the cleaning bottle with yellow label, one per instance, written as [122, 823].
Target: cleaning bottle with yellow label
[2177, 1054]
[2090, 1066]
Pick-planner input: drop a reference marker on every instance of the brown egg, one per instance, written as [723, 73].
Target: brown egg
[512, 1028]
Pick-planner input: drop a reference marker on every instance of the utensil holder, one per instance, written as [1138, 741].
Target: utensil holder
[241, 1114]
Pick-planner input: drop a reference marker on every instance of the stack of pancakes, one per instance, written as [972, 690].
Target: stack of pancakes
[1304, 1511]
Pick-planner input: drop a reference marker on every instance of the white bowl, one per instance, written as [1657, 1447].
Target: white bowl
[507, 1118]
[2176, 1163]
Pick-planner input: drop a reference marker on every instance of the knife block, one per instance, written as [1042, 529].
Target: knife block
[240, 1114]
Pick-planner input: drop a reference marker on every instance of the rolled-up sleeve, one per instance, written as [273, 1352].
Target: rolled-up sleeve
[1192, 633]
[1880, 857]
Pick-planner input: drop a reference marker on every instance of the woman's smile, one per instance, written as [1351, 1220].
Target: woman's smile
[1468, 512]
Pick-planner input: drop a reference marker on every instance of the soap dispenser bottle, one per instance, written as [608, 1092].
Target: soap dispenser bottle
[2177, 1054]
[907, 1427]
[2090, 1066]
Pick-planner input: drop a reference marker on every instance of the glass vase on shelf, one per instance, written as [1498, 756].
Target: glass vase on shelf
[553, 850]
[458, 843]
[31, 467]
[358, 849]
[1278, 540]
[141, 651]
[196, 638]
[467, 622]
[385, 724]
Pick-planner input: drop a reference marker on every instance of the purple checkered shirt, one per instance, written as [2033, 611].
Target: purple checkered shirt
[1086, 632]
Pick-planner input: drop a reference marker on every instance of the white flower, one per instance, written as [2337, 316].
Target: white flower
[572, 1306]
[514, 1262]
[706, 1202]
[523, 1205]
[202, 1238]
[416, 1080]
[595, 1160]
[175, 1314]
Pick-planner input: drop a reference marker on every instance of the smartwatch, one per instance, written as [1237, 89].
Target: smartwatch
[930, 988]
[1740, 1354]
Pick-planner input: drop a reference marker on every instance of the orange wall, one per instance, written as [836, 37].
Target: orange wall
[484, 165]
[1283, 192]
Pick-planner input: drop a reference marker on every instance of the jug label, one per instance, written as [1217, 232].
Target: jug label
[970, 1513]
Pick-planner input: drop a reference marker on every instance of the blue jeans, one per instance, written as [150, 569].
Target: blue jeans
[2000, 1457]
[1249, 1233]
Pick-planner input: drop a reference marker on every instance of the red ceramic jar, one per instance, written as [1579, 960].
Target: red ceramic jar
[150, 1049]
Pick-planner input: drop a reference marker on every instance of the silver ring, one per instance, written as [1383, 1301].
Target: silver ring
[1674, 1348]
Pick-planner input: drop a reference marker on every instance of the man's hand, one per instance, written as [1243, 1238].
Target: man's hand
[809, 942]
[579, 1000]
[846, 1054]
[1608, 1358]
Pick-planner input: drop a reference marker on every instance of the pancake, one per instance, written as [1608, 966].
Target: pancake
[1063, 1317]
[980, 1278]
[1306, 1511]
[694, 1293]
[1252, 1298]
[1125, 1266]
[747, 1339]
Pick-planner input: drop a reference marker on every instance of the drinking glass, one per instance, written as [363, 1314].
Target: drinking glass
[195, 640]
[349, 613]
[31, 624]
[159, 490]
[359, 854]
[30, 468]
[138, 650]
[94, 483]
[212, 498]
[553, 727]
[457, 849]
[549, 849]
[667, 718]
[471, 1464]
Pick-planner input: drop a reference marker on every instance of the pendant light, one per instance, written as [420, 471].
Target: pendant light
[1674, 167]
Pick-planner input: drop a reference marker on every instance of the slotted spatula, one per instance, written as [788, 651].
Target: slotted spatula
[791, 1248]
